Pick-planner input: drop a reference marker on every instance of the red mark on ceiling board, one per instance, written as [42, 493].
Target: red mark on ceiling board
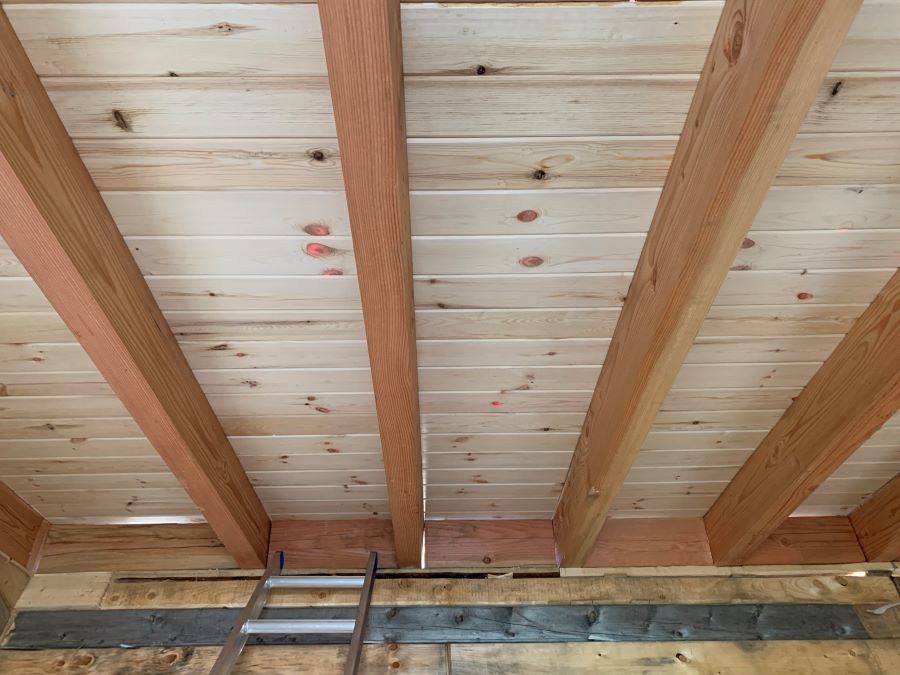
[748, 243]
[842, 229]
[527, 216]
[804, 296]
[333, 273]
[318, 250]
[496, 403]
[531, 261]
[241, 355]
[332, 450]
[317, 230]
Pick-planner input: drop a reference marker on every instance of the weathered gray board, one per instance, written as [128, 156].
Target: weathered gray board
[183, 627]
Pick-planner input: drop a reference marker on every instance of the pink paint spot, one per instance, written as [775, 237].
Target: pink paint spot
[527, 216]
[531, 261]
[332, 273]
[842, 229]
[318, 250]
[317, 230]
[496, 403]
[804, 296]
[241, 355]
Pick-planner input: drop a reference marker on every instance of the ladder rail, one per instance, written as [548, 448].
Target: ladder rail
[249, 623]
[362, 615]
[237, 639]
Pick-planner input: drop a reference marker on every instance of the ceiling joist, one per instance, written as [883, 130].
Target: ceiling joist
[877, 523]
[363, 53]
[24, 530]
[848, 399]
[59, 228]
[762, 72]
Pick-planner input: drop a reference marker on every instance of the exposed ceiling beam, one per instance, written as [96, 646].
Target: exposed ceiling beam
[848, 399]
[877, 523]
[22, 530]
[364, 57]
[763, 70]
[56, 223]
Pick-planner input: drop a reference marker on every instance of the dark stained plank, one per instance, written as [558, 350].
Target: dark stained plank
[877, 523]
[22, 529]
[849, 398]
[333, 544]
[560, 623]
[365, 73]
[763, 70]
[56, 223]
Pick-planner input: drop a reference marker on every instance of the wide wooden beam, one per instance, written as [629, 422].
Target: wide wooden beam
[22, 530]
[363, 53]
[58, 226]
[848, 399]
[764, 67]
[877, 523]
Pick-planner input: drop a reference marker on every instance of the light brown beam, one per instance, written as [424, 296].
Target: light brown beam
[22, 530]
[58, 226]
[363, 53]
[764, 67]
[854, 392]
[877, 523]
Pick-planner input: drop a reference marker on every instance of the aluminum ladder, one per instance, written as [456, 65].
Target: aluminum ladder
[249, 623]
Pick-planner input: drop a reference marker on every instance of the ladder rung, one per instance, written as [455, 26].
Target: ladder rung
[315, 582]
[287, 627]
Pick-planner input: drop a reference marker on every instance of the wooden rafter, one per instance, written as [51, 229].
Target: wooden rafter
[760, 77]
[56, 223]
[22, 530]
[877, 523]
[848, 399]
[363, 53]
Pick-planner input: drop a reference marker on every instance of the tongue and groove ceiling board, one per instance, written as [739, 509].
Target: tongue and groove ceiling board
[539, 139]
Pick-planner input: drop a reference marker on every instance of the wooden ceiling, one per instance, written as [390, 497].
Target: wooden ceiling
[540, 137]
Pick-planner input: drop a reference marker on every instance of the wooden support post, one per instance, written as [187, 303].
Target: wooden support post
[764, 67]
[56, 223]
[877, 524]
[855, 391]
[22, 530]
[365, 71]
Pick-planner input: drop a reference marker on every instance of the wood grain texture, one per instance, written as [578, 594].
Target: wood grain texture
[334, 544]
[577, 162]
[612, 587]
[364, 55]
[23, 529]
[851, 396]
[477, 543]
[436, 107]
[763, 69]
[440, 39]
[877, 523]
[60, 229]
[636, 542]
[270, 660]
[808, 540]
[95, 548]
[861, 657]
[491, 254]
